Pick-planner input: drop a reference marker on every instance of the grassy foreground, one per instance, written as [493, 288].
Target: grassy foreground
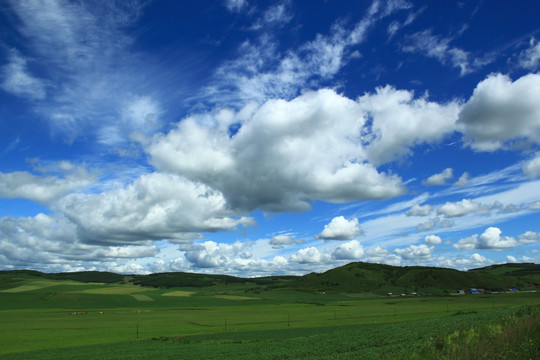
[66, 319]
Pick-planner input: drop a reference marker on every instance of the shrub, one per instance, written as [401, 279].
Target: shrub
[516, 336]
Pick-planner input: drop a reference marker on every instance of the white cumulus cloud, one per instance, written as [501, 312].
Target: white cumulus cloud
[400, 121]
[511, 259]
[529, 237]
[154, 207]
[474, 261]
[51, 242]
[500, 111]
[211, 254]
[341, 229]
[307, 255]
[416, 253]
[419, 210]
[531, 168]
[460, 208]
[285, 154]
[490, 239]
[350, 250]
[468, 243]
[433, 240]
[45, 188]
[428, 225]
[439, 179]
[381, 255]
[463, 180]
[282, 240]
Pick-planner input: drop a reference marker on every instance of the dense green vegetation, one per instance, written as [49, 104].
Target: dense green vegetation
[395, 340]
[362, 277]
[182, 279]
[355, 277]
[83, 276]
[324, 316]
[529, 273]
[515, 336]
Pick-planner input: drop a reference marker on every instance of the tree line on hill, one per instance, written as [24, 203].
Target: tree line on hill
[353, 277]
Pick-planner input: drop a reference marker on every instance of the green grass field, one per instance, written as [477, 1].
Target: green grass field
[55, 319]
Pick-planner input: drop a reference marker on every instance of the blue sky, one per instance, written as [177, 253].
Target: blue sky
[268, 137]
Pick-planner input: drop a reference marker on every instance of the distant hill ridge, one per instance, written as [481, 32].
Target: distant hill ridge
[354, 277]
[367, 277]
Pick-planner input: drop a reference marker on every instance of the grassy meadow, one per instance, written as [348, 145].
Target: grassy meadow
[43, 318]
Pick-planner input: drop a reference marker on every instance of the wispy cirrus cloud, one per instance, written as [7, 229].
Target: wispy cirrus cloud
[262, 71]
[439, 48]
[10, 146]
[277, 129]
[530, 57]
[275, 16]
[236, 5]
[85, 69]
[396, 26]
[17, 80]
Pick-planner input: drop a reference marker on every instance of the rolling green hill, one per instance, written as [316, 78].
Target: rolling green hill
[358, 277]
[93, 315]
[182, 279]
[527, 272]
[377, 278]
[83, 276]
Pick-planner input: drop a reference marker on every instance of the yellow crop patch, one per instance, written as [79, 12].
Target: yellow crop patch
[179, 293]
[23, 288]
[235, 297]
[40, 284]
[114, 290]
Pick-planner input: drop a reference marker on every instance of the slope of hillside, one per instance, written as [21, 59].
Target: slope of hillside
[82, 276]
[527, 272]
[183, 279]
[366, 277]
[355, 277]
